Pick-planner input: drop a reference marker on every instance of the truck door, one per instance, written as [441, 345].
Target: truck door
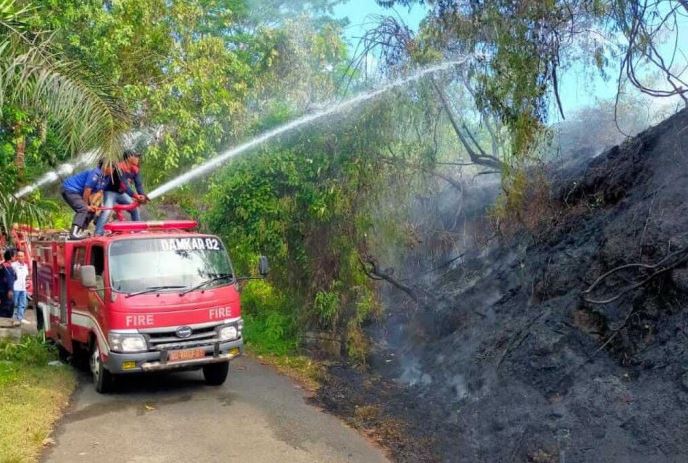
[78, 296]
[62, 330]
[96, 297]
[67, 294]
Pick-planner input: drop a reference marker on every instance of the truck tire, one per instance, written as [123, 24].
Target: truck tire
[102, 378]
[215, 374]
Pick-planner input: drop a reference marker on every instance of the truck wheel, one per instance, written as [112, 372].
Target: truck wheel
[215, 374]
[102, 378]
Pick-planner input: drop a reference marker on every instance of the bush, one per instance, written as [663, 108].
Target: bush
[326, 307]
[525, 204]
[269, 326]
[31, 350]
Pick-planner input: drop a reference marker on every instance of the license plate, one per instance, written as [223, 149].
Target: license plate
[186, 354]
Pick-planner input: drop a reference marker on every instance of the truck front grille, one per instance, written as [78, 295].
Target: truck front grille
[165, 340]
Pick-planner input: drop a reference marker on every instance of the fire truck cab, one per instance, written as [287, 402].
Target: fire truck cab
[148, 296]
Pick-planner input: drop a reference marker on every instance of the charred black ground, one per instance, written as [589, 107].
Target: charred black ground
[511, 363]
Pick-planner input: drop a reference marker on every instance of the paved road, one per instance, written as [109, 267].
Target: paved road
[256, 416]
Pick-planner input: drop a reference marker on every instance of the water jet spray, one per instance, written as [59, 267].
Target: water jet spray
[302, 121]
[90, 157]
[135, 140]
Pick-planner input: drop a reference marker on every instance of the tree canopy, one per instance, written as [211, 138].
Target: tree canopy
[522, 48]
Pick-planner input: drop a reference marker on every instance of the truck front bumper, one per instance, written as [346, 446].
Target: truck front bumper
[118, 362]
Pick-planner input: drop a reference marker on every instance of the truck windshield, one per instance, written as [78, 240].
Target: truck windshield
[140, 264]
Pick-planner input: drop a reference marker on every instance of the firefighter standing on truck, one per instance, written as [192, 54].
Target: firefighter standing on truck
[119, 191]
[77, 190]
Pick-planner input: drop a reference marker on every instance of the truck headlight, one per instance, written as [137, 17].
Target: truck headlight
[228, 333]
[127, 342]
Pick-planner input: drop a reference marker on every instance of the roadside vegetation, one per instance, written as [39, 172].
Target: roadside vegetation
[32, 397]
[272, 336]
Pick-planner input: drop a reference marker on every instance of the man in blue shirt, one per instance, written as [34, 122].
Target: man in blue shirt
[77, 191]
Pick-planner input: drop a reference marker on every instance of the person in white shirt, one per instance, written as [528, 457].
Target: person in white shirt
[22, 271]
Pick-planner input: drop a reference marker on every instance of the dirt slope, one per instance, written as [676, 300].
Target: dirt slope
[512, 364]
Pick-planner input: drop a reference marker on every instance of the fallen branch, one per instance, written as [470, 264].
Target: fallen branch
[681, 255]
[518, 338]
[371, 268]
[441, 266]
[613, 335]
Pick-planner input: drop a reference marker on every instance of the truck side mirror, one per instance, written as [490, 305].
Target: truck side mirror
[88, 276]
[263, 267]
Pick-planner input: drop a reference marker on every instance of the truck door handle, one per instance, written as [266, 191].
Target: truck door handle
[72, 302]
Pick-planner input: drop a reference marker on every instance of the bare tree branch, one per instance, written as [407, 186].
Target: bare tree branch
[481, 158]
[371, 268]
[397, 160]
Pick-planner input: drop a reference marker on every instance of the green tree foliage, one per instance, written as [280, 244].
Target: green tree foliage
[41, 90]
[35, 76]
[303, 206]
[195, 68]
[201, 71]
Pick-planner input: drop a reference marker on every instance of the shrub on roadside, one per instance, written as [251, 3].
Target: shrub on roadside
[30, 350]
[269, 326]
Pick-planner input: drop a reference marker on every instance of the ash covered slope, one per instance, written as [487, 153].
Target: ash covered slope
[515, 366]
[511, 364]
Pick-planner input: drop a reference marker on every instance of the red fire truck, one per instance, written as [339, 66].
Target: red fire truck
[147, 296]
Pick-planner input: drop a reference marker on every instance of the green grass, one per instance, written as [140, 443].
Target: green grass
[32, 397]
[269, 324]
[310, 373]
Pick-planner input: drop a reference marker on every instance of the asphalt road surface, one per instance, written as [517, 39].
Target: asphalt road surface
[256, 416]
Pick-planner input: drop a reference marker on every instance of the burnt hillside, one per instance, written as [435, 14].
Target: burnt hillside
[515, 361]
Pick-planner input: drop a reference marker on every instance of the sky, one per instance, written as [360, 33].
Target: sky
[579, 87]
[361, 15]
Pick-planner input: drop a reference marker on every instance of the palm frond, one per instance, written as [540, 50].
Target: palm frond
[13, 210]
[33, 75]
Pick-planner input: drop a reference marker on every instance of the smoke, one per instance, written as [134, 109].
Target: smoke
[413, 375]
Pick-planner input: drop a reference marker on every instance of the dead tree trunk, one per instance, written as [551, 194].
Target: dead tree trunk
[475, 152]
